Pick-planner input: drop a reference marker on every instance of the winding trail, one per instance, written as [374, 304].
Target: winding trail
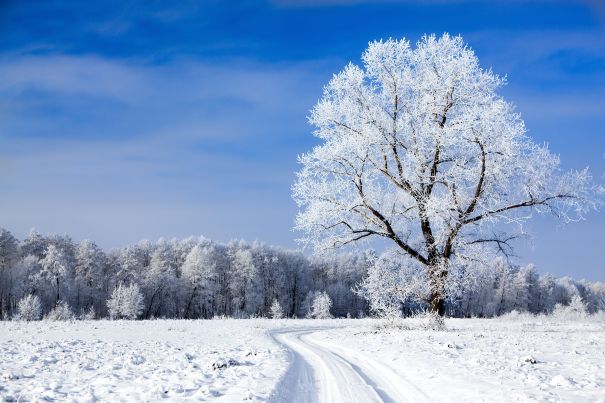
[324, 372]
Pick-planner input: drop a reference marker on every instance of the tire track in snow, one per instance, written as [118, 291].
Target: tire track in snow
[322, 372]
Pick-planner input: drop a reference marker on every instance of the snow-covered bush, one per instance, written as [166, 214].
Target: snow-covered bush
[429, 320]
[88, 315]
[321, 306]
[576, 310]
[60, 312]
[276, 310]
[421, 319]
[516, 316]
[29, 308]
[126, 302]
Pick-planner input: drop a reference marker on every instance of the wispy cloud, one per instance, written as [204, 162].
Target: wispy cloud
[167, 146]
[163, 94]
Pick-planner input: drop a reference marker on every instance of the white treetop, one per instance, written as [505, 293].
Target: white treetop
[29, 308]
[54, 268]
[322, 303]
[276, 310]
[125, 302]
[418, 148]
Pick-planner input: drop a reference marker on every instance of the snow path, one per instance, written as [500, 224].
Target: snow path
[324, 372]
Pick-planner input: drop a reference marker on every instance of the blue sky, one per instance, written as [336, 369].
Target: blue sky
[127, 120]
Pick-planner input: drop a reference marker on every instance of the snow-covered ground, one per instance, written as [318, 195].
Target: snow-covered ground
[487, 360]
[510, 359]
[136, 360]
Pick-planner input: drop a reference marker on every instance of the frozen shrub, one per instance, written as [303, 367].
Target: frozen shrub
[425, 320]
[276, 310]
[320, 309]
[432, 320]
[576, 310]
[516, 316]
[60, 312]
[29, 308]
[88, 315]
[421, 319]
[126, 302]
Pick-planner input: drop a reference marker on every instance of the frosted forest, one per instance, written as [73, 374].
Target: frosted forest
[197, 278]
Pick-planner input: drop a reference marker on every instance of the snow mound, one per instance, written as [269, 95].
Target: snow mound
[561, 381]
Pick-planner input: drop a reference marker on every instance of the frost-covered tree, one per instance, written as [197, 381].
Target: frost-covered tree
[126, 302]
[88, 281]
[545, 291]
[245, 283]
[576, 310]
[307, 304]
[9, 257]
[276, 310]
[53, 268]
[322, 303]
[200, 274]
[29, 308]
[595, 298]
[35, 244]
[418, 148]
[9, 249]
[159, 282]
[129, 264]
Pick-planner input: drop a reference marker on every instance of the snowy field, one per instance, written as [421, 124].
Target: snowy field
[136, 360]
[510, 359]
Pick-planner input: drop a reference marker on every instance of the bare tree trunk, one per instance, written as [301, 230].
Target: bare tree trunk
[148, 311]
[189, 303]
[437, 304]
[58, 295]
[437, 277]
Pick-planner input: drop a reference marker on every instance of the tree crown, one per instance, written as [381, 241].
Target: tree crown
[419, 148]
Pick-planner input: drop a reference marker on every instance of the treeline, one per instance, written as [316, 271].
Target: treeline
[488, 292]
[476, 291]
[188, 278]
[199, 278]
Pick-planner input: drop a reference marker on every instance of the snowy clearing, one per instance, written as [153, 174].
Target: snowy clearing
[508, 359]
[136, 360]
